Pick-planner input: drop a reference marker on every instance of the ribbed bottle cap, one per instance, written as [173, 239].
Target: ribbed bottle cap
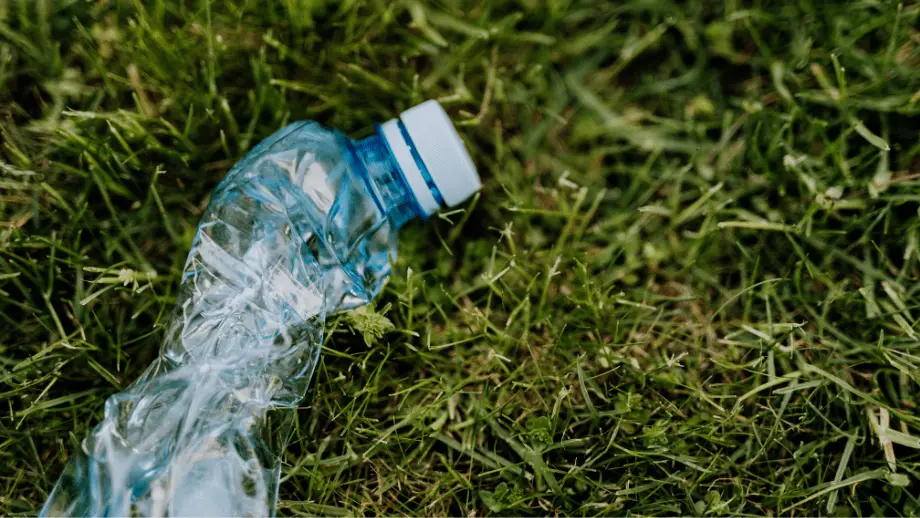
[441, 150]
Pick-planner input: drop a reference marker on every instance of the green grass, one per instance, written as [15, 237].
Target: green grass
[689, 285]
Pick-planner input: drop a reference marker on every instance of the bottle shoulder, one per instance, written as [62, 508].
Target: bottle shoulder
[309, 136]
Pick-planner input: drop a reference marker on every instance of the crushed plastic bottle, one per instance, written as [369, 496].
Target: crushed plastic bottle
[304, 226]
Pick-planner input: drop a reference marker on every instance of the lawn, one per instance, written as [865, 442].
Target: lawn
[688, 285]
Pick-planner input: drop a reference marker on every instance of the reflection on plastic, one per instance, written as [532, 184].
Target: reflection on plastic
[305, 225]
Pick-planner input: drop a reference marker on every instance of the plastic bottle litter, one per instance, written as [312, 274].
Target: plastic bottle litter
[304, 226]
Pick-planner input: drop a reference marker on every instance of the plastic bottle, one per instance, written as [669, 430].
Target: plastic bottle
[304, 226]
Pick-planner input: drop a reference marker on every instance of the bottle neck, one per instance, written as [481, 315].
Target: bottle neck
[386, 180]
[405, 154]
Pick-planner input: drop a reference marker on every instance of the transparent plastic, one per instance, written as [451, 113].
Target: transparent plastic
[304, 226]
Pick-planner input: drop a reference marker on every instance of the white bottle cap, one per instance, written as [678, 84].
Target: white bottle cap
[433, 137]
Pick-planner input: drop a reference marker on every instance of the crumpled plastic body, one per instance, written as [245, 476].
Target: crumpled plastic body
[305, 225]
